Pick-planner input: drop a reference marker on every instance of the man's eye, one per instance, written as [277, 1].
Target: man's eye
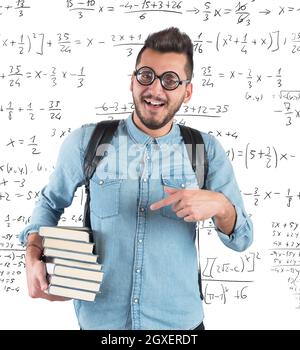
[170, 82]
[146, 75]
[170, 79]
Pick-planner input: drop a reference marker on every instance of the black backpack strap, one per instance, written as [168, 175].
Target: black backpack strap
[102, 134]
[196, 152]
[198, 158]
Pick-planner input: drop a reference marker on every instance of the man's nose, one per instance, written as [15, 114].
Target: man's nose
[156, 86]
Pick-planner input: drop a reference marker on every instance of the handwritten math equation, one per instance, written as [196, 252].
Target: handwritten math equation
[30, 111]
[12, 265]
[225, 280]
[67, 43]
[16, 7]
[263, 196]
[240, 12]
[269, 156]
[284, 254]
[16, 76]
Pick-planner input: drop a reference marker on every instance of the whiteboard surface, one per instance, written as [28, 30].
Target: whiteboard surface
[66, 63]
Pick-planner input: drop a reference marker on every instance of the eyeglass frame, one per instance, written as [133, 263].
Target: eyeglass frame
[160, 77]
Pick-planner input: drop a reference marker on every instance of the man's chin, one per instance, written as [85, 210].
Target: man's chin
[152, 120]
[152, 125]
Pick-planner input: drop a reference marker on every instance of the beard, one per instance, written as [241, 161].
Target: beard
[152, 123]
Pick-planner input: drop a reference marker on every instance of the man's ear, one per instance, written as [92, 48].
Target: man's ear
[188, 92]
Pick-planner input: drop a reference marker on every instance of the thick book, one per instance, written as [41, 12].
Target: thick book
[73, 263]
[90, 258]
[82, 234]
[74, 272]
[75, 246]
[71, 293]
[74, 283]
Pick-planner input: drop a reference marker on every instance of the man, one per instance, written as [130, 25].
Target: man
[144, 208]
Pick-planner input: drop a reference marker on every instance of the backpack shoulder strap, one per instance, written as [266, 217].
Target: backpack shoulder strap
[198, 158]
[102, 134]
[196, 152]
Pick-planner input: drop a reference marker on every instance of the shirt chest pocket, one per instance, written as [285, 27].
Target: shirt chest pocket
[186, 182]
[105, 197]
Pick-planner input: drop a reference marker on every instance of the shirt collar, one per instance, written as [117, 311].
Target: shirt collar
[141, 137]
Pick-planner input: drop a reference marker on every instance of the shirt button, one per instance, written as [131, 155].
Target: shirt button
[183, 185]
[142, 209]
[101, 182]
[136, 300]
[145, 180]
[140, 241]
[148, 158]
[137, 270]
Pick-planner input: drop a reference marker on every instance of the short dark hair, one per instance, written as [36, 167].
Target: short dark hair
[170, 40]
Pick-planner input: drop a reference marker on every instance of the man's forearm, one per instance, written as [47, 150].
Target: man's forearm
[34, 247]
[225, 221]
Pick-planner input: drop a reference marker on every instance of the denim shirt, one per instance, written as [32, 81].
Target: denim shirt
[149, 257]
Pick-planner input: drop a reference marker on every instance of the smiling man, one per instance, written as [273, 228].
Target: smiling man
[144, 223]
[158, 91]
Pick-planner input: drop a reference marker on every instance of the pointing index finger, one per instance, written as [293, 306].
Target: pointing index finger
[174, 197]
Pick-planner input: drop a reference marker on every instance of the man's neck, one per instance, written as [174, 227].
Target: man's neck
[153, 133]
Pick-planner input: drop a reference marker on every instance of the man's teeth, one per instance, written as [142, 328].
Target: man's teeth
[153, 103]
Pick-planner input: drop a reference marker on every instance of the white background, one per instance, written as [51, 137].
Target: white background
[246, 59]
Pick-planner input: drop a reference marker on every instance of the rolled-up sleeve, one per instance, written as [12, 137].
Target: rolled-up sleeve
[221, 178]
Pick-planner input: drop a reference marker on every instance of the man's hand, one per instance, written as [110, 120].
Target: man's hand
[194, 205]
[36, 271]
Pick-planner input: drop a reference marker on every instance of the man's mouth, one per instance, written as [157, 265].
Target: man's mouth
[153, 104]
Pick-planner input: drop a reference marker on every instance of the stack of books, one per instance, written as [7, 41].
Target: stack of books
[71, 265]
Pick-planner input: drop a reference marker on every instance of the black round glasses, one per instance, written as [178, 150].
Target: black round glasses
[169, 80]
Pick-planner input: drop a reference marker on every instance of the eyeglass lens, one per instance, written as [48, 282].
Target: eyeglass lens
[146, 76]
